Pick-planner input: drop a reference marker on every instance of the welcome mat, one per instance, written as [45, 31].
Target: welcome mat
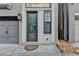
[30, 47]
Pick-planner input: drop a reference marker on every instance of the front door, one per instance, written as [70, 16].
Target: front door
[32, 26]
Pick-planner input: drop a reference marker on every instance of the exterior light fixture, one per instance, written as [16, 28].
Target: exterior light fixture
[72, 3]
[19, 17]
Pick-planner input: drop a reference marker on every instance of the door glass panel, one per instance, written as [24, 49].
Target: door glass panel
[32, 27]
[32, 23]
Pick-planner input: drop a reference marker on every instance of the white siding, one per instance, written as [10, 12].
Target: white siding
[42, 38]
[15, 9]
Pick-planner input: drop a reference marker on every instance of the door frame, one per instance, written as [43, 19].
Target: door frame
[36, 26]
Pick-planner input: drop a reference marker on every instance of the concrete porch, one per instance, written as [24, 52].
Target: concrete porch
[16, 50]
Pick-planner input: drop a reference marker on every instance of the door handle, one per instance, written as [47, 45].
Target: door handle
[6, 32]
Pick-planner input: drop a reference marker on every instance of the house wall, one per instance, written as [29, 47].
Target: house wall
[18, 8]
[73, 8]
[42, 38]
[15, 9]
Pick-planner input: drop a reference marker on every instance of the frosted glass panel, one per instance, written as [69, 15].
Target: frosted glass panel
[47, 16]
[37, 5]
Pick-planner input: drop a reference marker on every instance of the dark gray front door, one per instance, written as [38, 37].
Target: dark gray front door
[32, 26]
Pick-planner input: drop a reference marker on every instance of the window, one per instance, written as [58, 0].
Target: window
[38, 5]
[47, 22]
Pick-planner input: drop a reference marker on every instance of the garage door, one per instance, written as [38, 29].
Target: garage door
[9, 29]
[76, 28]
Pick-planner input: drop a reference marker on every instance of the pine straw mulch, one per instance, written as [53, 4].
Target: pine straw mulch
[66, 47]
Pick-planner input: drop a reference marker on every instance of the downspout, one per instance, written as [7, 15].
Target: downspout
[60, 21]
[63, 15]
[66, 22]
[67, 7]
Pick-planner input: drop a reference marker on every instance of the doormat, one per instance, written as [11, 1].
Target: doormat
[30, 47]
[66, 47]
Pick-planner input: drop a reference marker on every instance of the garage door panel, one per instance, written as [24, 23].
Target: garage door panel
[3, 32]
[13, 23]
[13, 34]
[13, 31]
[3, 23]
[13, 40]
[3, 40]
[9, 29]
[13, 28]
[3, 28]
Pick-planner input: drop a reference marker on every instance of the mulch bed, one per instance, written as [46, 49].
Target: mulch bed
[66, 47]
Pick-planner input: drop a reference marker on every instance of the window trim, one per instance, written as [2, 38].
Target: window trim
[47, 22]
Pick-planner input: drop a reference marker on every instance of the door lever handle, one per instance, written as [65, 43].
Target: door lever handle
[6, 31]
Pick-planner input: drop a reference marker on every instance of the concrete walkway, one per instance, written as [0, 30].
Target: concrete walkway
[16, 50]
[42, 50]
